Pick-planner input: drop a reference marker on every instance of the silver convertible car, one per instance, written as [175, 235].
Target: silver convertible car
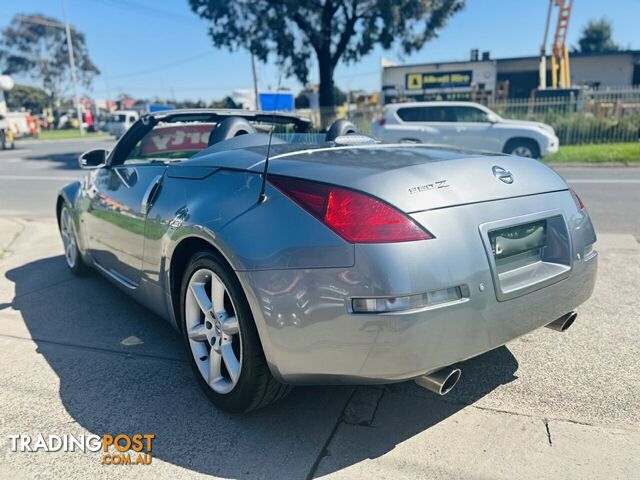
[287, 258]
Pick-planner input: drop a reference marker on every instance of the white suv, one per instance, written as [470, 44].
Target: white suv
[464, 124]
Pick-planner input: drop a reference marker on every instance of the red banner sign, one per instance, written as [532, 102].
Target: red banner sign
[177, 138]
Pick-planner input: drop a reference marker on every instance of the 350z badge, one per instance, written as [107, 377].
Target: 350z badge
[429, 186]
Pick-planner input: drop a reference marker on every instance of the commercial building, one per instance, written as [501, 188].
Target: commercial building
[482, 78]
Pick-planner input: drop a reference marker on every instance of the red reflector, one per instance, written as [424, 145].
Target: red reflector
[356, 217]
[382, 121]
[577, 199]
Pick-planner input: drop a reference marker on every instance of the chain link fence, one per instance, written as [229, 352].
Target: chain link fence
[593, 116]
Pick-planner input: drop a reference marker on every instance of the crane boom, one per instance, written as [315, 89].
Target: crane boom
[560, 70]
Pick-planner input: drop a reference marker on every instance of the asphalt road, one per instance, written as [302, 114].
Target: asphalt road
[32, 174]
[78, 356]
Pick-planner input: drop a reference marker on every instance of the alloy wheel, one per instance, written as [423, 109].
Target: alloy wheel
[522, 151]
[68, 238]
[213, 330]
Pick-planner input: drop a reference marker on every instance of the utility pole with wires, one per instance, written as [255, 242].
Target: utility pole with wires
[255, 80]
[72, 64]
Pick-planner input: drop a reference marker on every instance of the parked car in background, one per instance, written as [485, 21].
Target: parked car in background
[120, 121]
[464, 124]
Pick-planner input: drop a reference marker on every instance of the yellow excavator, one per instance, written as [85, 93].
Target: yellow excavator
[560, 70]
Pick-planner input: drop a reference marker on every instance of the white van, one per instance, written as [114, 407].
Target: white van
[120, 121]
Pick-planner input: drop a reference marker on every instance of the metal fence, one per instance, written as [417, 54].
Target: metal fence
[595, 116]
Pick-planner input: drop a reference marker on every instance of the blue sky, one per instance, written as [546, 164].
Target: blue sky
[148, 48]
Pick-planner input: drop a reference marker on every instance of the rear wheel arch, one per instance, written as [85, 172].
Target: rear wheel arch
[191, 254]
[182, 253]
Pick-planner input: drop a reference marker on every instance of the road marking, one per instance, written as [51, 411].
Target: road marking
[50, 178]
[603, 180]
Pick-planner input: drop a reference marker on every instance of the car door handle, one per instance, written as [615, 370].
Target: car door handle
[149, 195]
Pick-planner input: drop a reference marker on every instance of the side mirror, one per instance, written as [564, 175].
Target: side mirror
[492, 118]
[93, 159]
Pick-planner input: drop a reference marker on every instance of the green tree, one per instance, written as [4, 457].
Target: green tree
[36, 45]
[30, 98]
[302, 99]
[596, 37]
[226, 102]
[297, 31]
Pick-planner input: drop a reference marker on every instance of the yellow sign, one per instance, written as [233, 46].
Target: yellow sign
[414, 81]
[420, 81]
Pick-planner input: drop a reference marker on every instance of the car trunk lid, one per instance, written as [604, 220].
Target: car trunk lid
[416, 178]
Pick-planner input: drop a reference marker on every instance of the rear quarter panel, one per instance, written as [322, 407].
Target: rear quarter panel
[222, 208]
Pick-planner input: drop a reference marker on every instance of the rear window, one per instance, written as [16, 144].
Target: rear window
[425, 114]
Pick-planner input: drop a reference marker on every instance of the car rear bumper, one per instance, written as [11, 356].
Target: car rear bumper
[310, 335]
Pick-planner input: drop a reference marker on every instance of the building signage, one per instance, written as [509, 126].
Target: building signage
[422, 81]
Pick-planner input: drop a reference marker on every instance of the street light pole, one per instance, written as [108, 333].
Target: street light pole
[72, 63]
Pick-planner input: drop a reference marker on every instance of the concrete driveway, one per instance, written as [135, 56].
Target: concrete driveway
[79, 357]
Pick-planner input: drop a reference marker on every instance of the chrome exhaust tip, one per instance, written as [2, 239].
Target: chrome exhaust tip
[564, 322]
[440, 381]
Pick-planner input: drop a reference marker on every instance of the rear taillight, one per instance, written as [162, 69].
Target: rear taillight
[577, 199]
[356, 217]
[382, 121]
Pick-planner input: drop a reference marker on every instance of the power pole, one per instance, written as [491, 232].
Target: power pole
[542, 70]
[72, 64]
[255, 80]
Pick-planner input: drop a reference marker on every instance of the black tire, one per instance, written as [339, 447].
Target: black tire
[520, 147]
[77, 266]
[255, 387]
[3, 140]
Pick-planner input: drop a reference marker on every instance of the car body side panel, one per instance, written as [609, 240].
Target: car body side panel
[222, 209]
[314, 339]
[115, 221]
